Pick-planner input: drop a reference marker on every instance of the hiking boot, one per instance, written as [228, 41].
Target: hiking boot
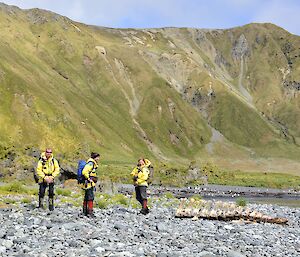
[90, 211]
[91, 215]
[144, 211]
[41, 203]
[51, 206]
[84, 209]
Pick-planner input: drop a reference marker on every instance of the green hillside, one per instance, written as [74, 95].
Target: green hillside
[160, 93]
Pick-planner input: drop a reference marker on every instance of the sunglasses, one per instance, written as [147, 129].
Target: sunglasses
[48, 152]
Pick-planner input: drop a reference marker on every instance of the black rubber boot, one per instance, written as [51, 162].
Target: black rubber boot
[84, 208]
[41, 203]
[51, 204]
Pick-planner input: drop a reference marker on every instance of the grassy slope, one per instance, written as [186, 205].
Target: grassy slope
[45, 67]
[262, 74]
[58, 90]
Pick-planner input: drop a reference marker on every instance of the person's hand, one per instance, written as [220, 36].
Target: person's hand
[48, 179]
[51, 179]
[94, 179]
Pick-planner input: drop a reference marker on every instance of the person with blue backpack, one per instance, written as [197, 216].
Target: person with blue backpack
[87, 177]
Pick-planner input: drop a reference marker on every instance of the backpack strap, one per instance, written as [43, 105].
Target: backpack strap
[93, 165]
[44, 162]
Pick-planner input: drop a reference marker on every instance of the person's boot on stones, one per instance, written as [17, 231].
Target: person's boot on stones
[90, 210]
[51, 204]
[84, 208]
[145, 209]
[41, 202]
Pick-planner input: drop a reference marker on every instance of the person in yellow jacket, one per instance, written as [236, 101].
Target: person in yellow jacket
[90, 175]
[47, 170]
[140, 175]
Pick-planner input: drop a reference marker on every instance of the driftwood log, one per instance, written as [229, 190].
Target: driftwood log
[218, 210]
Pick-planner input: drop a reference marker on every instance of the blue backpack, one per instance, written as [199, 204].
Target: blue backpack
[80, 167]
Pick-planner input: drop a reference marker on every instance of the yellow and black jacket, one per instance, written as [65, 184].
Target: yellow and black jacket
[89, 172]
[47, 167]
[140, 175]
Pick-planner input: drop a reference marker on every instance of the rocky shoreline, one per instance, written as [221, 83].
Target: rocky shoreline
[122, 231]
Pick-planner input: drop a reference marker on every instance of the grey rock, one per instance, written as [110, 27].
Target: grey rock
[240, 48]
[99, 249]
[123, 254]
[162, 254]
[232, 253]
[140, 252]
[7, 243]
[95, 242]
[2, 249]
[121, 226]
[2, 233]
[73, 243]
[206, 254]
[20, 240]
[161, 227]
[229, 227]
[69, 226]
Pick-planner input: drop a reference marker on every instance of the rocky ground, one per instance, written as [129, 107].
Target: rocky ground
[122, 231]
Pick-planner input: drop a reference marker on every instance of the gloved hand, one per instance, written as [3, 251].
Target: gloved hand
[48, 179]
[94, 179]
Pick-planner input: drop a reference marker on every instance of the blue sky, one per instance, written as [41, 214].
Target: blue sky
[175, 13]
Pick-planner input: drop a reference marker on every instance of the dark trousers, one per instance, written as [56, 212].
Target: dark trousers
[141, 194]
[43, 187]
[89, 194]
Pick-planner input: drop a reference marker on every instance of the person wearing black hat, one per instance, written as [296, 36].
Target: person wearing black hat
[90, 175]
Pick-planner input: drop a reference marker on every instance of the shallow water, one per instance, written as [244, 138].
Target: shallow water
[286, 201]
[279, 201]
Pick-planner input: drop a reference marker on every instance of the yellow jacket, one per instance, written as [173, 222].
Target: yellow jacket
[88, 172]
[147, 163]
[140, 176]
[46, 167]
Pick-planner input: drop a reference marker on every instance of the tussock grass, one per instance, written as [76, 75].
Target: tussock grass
[169, 195]
[254, 179]
[240, 201]
[26, 200]
[103, 201]
[120, 199]
[63, 191]
[14, 188]
[196, 197]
